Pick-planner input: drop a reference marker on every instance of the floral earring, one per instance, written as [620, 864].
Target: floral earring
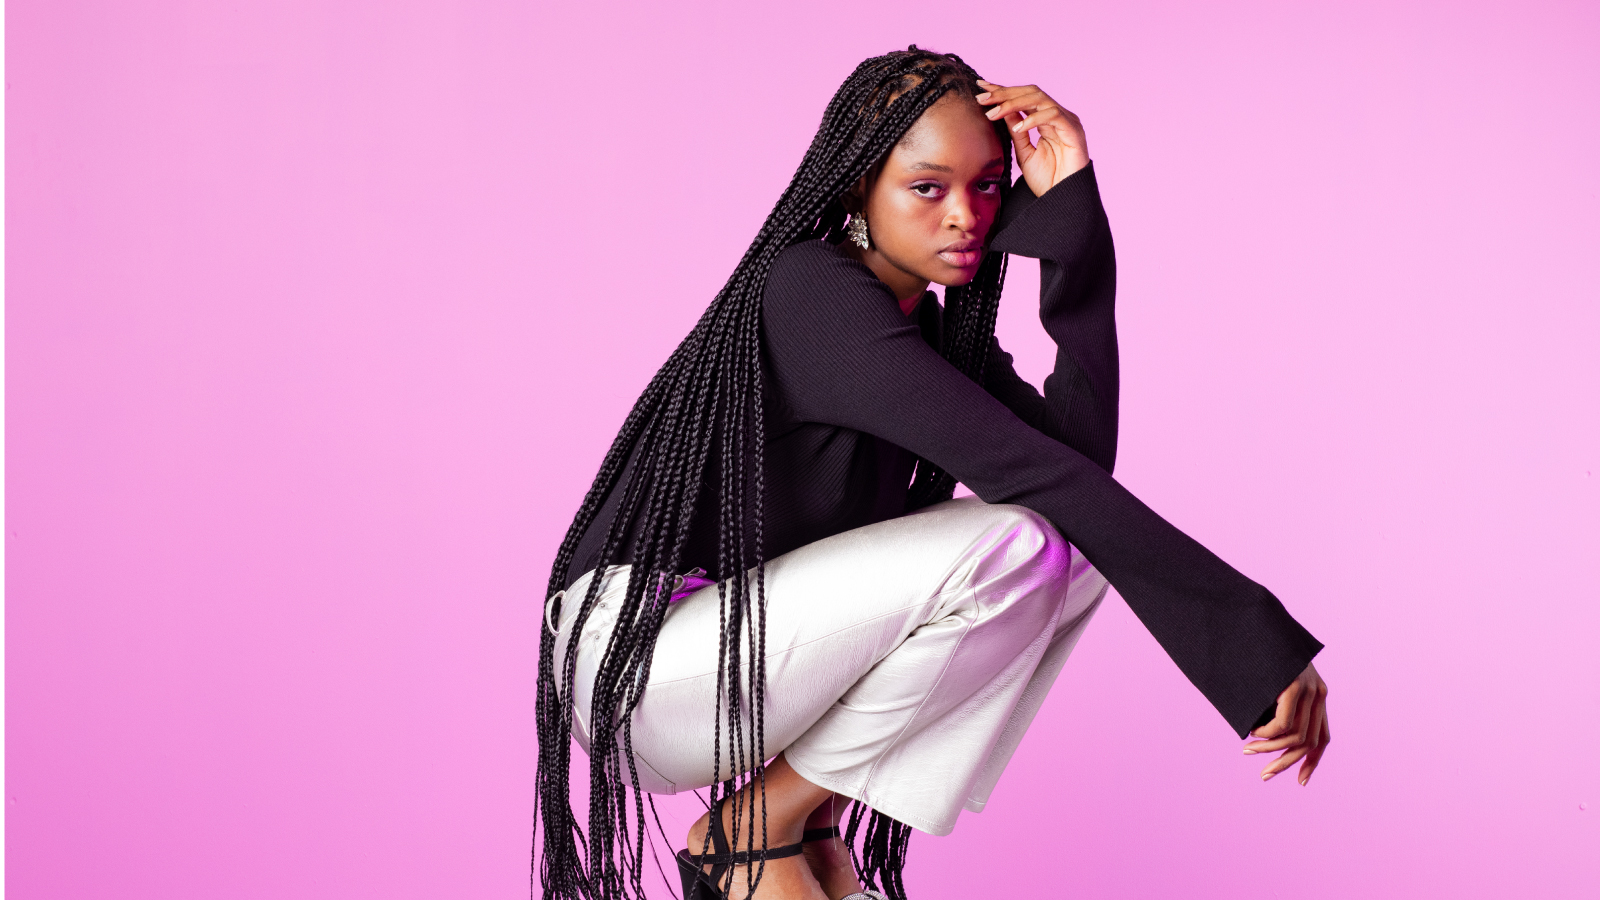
[857, 230]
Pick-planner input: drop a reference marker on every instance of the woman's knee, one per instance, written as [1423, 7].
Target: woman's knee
[1031, 541]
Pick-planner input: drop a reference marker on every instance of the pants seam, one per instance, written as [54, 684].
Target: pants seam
[872, 769]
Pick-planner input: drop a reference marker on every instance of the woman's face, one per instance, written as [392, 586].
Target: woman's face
[930, 208]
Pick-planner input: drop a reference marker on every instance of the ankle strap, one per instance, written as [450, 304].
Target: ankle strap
[745, 857]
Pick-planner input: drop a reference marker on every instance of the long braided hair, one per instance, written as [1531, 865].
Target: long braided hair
[701, 416]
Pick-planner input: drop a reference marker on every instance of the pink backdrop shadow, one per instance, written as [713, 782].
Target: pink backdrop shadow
[321, 314]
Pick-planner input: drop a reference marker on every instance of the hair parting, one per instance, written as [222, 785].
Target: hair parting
[698, 426]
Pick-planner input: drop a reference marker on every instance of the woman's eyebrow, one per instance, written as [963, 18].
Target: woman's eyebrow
[925, 166]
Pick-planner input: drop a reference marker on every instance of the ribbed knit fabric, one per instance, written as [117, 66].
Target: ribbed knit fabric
[853, 385]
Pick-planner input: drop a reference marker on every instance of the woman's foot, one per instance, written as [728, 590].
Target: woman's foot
[829, 860]
[788, 878]
[790, 801]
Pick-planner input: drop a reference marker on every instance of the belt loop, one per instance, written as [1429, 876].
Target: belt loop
[548, 605]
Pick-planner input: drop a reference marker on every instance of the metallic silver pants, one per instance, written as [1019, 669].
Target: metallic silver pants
[905, 659]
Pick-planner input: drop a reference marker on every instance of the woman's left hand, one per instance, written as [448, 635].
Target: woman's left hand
[1062, 148]
[1299, 728]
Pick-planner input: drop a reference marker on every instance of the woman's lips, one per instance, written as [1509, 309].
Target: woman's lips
[962, 258]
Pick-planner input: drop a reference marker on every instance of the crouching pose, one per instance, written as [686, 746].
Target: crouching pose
[769, 591]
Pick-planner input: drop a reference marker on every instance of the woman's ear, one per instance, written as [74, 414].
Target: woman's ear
[854, 200]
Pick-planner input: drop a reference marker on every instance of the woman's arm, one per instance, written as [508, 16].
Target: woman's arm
[843, 354]
[1077, 287]
[1067, 231]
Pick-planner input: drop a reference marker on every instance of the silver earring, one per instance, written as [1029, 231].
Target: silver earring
[857, 230]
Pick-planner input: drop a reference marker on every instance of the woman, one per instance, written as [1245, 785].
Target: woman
[885, 644]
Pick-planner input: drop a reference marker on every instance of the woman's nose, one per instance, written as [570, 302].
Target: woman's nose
[960, 216]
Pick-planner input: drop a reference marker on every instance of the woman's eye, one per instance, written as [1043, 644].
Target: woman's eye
[990, 187]
[926, 189]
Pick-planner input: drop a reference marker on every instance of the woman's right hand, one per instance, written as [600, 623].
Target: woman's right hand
[1062, 148]
[1299, 728]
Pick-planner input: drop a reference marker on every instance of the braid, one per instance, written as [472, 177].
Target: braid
[970, 312]
[702, 412]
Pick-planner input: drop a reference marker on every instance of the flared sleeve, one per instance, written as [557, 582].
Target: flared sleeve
[842, 353]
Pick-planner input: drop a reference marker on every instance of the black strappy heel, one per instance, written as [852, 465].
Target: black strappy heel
[819, 834]
[698, 885]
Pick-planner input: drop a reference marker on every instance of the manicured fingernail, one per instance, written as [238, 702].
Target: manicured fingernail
[983, 97]
[1268, 776]
[1249, 751]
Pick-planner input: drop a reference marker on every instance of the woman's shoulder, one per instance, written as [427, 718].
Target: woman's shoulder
[815, 288]
[816, 269]
[809, 259]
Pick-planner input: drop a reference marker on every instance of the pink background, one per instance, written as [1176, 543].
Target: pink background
[321, 314]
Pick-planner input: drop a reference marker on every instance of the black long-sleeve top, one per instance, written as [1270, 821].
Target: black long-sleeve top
[857, 391]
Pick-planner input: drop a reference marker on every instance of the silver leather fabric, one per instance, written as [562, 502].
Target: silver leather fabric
[905, 659]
